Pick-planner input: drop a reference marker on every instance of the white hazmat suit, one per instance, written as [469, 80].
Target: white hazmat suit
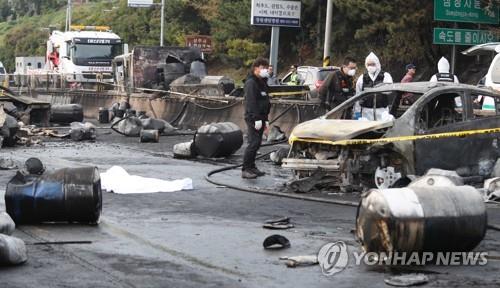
[380, 113]
[443, 67]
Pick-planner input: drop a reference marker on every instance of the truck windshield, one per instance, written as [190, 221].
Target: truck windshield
[92, 51]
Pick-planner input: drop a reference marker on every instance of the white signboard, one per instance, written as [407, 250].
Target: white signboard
[140, 3]
[276, 13]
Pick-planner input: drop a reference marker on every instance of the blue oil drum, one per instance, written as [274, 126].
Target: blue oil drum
[65, 195]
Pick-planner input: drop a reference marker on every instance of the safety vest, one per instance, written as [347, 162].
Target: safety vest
[382, 100]
[445, 77]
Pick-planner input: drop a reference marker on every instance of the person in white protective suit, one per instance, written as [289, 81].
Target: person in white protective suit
[444, 74]
[376, 107]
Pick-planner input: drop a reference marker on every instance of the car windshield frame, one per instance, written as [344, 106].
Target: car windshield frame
[352, 101]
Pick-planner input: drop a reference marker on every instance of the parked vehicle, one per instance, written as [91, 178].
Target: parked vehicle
[368, 162]
[3, 73]
[311, 76]
[83, 52]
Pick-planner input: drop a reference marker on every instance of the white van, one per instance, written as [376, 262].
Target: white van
[492, 78]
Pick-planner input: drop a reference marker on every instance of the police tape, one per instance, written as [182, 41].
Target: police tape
[396, 139]
[273, 94]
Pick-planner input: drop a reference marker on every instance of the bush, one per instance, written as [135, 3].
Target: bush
[245, 50]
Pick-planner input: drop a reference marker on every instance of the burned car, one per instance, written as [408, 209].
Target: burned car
[438, 129]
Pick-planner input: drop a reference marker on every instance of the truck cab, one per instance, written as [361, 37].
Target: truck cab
[83, 54]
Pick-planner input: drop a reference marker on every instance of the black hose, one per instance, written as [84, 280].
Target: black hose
[493, 227]
[216, 108]
[274, 143]
[282, 113]
[272, 193]
[116, 123]
[176, 118]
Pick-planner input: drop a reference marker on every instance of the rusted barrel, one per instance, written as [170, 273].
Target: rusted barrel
[421, 219]
[65, 195]
[149, 136]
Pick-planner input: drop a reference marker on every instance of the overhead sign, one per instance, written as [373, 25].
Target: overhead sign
[200, 41]
[463, 36]
[276, 13]
[464, 11]
[140, 3]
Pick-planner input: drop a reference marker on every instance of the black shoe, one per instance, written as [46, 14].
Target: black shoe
[248, 174]
[258, 172]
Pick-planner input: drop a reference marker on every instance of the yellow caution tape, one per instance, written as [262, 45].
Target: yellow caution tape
[287, 93]
[395, 139]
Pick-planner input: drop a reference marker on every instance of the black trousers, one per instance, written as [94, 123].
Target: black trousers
[254, 141]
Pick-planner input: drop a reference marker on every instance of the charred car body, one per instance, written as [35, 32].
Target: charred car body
[354, 154]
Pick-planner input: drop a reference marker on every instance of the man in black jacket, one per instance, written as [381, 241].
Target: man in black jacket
[257, 107]
[338, 85]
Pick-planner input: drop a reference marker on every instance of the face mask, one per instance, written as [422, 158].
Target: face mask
[371, 69]
[264, 73]
[351, 72]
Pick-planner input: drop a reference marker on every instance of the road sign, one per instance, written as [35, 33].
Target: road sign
[446, 36]
[464, 11]
[140, 3]
[201, 41]
[276, 13]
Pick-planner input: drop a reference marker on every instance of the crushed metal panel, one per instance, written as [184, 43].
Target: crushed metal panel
[334, 130]
[147, 59]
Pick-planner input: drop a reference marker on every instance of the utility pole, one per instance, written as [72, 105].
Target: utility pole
[68, 16]
[453, 53]
[162, 21]
[275, 40]
[328, 29]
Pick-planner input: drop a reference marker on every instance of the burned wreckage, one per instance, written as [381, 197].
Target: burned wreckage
[442, 127]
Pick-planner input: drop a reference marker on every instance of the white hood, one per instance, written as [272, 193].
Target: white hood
[373, 58]
[443, 65]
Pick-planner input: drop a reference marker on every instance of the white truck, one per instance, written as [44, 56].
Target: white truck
[84, 54]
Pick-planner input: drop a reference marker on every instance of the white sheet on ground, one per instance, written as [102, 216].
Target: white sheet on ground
[116, 179]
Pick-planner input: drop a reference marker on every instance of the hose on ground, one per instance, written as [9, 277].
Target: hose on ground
[272, 193]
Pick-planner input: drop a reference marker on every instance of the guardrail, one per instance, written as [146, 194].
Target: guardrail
[51, 80]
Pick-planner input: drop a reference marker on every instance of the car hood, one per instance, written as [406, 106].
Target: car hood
[335, 130]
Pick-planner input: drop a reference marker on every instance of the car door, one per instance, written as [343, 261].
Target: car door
[438, 114]
[480, 151]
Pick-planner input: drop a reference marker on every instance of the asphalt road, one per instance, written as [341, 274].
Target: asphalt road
[207, 237]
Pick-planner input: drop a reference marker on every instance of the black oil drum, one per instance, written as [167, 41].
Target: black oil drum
[65, 114]
[65, 195]
[103, 115]
[149, 136]
[218, 139]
